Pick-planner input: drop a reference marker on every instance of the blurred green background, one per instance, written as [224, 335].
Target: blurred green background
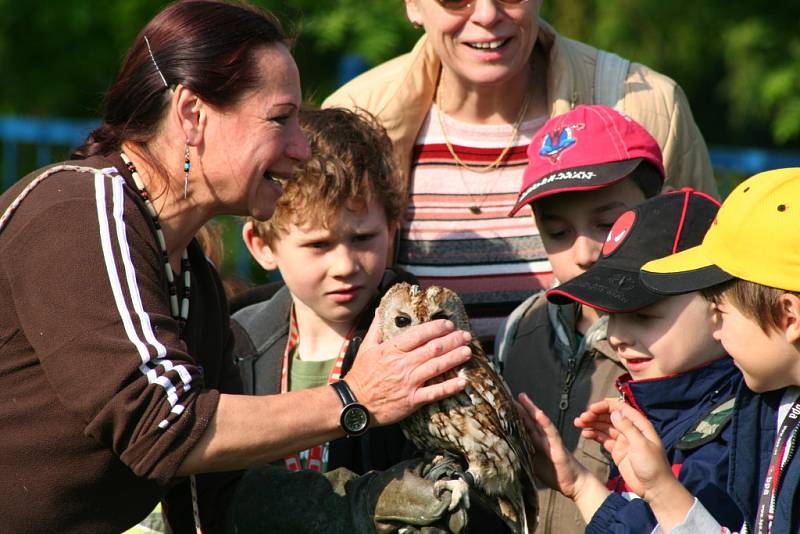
[738, 61]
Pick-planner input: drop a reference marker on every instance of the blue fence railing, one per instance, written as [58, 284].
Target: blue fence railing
[44, 134]
[748, 161]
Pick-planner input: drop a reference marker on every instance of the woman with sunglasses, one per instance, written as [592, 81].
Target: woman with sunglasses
[461, 108]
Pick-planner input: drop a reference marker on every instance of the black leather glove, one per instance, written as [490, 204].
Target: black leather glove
[272, 499]
[406, 497]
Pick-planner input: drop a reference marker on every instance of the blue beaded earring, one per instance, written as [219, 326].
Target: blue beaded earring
[186, 166]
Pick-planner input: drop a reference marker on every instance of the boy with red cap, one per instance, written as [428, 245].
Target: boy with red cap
[585, 168]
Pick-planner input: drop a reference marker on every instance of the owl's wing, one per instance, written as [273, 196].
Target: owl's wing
[492, 389]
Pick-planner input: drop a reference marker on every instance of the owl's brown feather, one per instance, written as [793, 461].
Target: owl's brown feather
[479, 424]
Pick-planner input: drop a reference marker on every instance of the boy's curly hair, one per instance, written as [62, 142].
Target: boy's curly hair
[351, 163]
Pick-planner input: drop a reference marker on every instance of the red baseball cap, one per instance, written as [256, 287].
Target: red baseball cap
[587, 148]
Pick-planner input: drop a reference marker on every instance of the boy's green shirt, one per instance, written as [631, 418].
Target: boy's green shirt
[305, 374]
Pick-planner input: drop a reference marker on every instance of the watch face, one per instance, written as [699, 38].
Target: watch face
[355, 419]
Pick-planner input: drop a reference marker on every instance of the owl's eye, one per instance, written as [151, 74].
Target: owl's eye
[402, 321]
[439, 315]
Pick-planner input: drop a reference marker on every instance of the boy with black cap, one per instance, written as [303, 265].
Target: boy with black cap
[748, 265]
[678, 374]
[585, 168]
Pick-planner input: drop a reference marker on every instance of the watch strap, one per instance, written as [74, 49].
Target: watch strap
[345, 393]
[354, 417]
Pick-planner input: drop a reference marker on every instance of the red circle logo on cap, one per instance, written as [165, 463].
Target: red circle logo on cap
[619, 232]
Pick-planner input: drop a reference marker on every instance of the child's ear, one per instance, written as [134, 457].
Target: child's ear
[258, 248]
[790, 316]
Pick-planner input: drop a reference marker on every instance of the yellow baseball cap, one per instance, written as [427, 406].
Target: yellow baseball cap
[755, 237]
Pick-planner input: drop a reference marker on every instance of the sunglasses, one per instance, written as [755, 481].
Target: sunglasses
[459, 6]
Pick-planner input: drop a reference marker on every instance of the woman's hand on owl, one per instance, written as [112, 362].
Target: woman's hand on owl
[391, 378]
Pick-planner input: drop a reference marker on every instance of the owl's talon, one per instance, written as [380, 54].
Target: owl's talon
[459, 490]
[469, 478]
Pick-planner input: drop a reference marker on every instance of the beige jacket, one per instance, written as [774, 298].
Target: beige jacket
[400, 93]
[541, 357]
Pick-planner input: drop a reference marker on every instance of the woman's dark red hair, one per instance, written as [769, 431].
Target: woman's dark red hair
[205, 45]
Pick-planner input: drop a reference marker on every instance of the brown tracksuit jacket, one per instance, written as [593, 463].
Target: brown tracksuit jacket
[101, 396]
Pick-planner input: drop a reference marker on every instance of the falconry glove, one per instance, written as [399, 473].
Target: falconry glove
[400, 499]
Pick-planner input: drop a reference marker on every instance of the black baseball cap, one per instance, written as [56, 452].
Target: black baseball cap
[658, 227]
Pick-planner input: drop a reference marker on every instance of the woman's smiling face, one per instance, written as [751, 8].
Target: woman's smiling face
[488, 43]
[257, 138]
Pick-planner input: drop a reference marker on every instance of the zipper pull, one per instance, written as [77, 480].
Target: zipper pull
[564, 402]
[568, 380]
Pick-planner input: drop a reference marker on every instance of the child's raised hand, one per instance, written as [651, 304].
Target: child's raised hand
[595, 422]
[637, 451]
[554, 464]
[630, 438]
[640, 457]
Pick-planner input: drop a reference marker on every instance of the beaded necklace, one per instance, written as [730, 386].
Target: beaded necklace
[179, 313]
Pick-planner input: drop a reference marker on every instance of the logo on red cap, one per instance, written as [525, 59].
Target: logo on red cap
[557, 141]
[619, 232]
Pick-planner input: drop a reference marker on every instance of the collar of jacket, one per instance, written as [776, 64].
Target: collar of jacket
[266, 322]
[563, 319]
[675, 402]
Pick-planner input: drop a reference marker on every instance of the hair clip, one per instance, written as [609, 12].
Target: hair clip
[147, 42]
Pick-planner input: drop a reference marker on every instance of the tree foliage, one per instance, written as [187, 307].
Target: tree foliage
[738, 61]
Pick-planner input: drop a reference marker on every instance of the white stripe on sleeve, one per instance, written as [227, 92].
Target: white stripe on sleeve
[119, 299]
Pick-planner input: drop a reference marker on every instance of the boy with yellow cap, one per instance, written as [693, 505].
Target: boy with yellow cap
[749, 266]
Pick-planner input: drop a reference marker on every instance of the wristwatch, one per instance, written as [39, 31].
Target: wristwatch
[354, 418]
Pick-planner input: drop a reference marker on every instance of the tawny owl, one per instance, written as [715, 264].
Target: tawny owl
[480, 424]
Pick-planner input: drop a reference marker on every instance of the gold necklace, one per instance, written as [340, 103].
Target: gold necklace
[475, 208]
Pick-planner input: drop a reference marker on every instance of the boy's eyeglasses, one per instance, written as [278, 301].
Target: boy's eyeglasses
[461, 6]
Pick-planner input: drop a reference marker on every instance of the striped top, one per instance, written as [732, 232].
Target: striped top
[492, 261]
